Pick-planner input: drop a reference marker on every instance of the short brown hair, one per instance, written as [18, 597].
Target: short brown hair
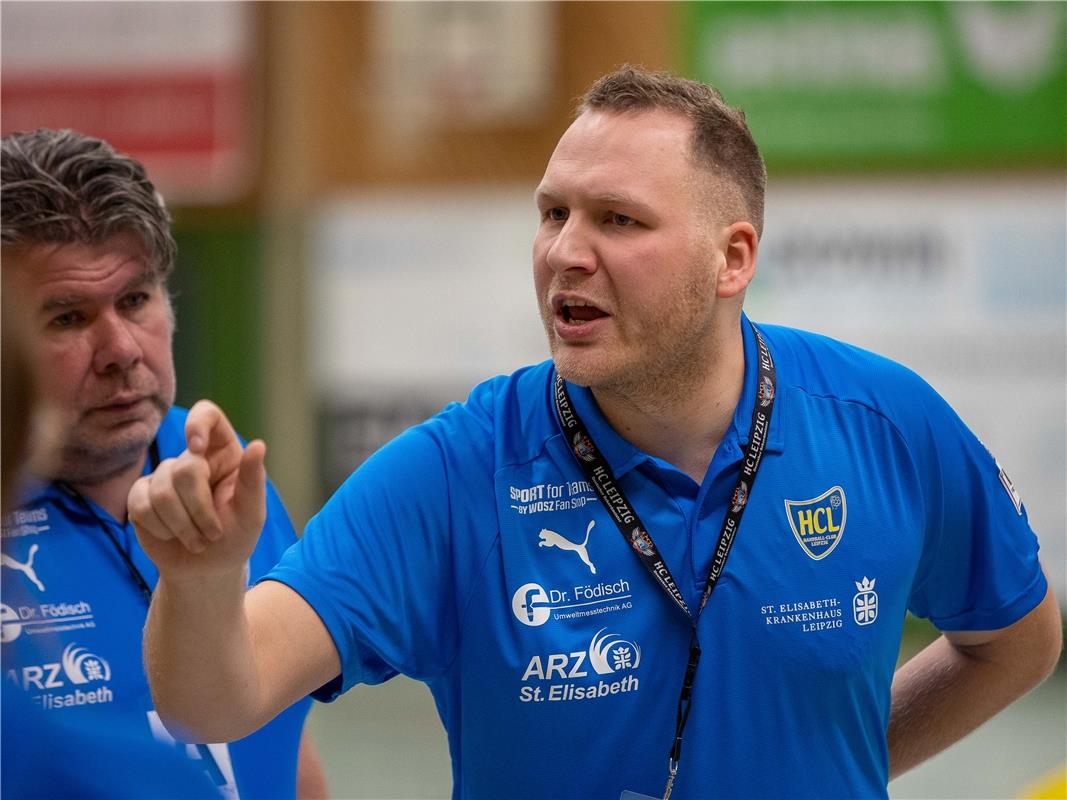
[721, 143]
[59, 186]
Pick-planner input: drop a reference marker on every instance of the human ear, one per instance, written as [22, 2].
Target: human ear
[741, 243]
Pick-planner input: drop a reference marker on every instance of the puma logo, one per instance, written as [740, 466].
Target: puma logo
[553, 539]
[26, 568]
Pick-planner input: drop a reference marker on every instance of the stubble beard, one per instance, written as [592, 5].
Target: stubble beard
[662, 369]
[92, 457]
[666, 375]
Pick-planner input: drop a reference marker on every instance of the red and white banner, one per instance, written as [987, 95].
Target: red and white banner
[167, 83]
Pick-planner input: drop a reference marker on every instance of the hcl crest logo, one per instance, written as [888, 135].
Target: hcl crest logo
[819, 523]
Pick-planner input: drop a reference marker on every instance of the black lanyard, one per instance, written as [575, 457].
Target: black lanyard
[601, 477]
[74, 494]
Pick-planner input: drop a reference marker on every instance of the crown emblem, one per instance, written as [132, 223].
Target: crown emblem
[866, 585]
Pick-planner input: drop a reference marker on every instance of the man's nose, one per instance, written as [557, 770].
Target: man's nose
[572, 248]
[115, 347]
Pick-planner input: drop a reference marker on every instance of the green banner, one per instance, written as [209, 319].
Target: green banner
[216, 288]
[877, 85]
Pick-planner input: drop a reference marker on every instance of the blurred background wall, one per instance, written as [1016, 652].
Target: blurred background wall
[351, 185]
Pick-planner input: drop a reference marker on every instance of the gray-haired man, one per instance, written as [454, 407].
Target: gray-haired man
[87, 250]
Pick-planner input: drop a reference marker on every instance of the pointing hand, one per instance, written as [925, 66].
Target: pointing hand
[202, 512]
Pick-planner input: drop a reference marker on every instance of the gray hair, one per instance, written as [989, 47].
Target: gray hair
[721, 143]
[65, 187]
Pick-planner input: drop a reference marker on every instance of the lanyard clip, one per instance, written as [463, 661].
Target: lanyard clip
[672, 771]
[684, 703]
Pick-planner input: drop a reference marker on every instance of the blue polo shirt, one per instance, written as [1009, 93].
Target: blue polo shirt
[71, 622]
[470, 553]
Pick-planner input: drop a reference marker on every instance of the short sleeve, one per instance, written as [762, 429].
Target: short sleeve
[979, 568]
[375, 565]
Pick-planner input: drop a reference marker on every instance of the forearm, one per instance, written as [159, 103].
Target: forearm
[221, 661]
[949, 689]
[200, 659]
[937, 701]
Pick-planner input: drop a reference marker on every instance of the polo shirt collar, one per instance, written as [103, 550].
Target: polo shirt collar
[623, 456]
[740, 428]
[32, 490]
[620, 454]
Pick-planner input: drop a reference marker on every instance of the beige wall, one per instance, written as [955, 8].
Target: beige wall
[326, 50]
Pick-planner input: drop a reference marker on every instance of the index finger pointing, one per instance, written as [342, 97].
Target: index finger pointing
[208, 433]
[205, 423]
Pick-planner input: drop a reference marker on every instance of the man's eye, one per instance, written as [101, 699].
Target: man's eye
[65, 320]
[622, 220]
[134, 300]
[556, 214]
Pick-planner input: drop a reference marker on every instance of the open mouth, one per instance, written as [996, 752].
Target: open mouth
[578, 312]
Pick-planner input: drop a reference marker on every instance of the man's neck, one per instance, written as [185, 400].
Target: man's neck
[111, 493]
[684, 423]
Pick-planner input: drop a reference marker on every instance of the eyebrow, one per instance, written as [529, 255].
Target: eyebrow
[603, 199]
[620, 199]
[65, 301]
[545, 194]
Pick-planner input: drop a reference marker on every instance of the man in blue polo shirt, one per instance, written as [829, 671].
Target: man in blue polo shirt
[87, 250]
[674, 559]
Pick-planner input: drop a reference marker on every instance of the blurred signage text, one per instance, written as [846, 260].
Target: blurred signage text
[167, 83]
[839, 86]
